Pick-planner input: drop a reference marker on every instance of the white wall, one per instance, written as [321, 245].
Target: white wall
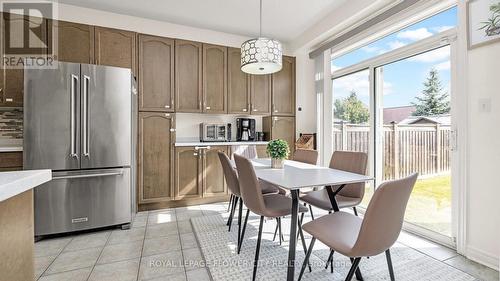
[483, 188]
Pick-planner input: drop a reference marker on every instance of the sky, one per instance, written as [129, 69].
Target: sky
[403, 80]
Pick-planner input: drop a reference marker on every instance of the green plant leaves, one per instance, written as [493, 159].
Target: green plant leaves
[278, 149]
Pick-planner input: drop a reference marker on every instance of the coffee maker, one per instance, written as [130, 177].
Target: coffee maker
[245, 129]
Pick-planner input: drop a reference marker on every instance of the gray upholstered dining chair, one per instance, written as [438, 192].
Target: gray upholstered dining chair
[234, 187]
[354, 237]
[270, 206]
[352, 194]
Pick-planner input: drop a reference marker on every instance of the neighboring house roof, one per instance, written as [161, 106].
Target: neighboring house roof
[397, 114]
[444, 119]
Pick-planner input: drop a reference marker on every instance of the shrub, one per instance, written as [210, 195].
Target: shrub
[278, 149]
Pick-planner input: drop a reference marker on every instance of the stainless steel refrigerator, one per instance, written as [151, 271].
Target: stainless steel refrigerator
[79, 121]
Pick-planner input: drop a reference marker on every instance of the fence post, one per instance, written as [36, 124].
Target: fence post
[438, 148]
[396, 149]
[343, 131]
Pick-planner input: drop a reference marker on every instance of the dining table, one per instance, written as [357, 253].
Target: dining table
[296, 176]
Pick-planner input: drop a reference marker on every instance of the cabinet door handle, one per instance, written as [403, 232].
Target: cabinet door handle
[274, 108]
[167, 106]
[207, 107]
[195, 154]
[244, 110]
[172, 130]
[9, 99]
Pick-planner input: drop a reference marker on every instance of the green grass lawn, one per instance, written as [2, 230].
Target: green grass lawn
[429, 205]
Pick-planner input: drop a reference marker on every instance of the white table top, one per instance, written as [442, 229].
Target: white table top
[14, 183]
[296, 175]
[225, 143]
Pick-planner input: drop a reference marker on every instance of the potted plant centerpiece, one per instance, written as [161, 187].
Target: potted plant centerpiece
[278, 151]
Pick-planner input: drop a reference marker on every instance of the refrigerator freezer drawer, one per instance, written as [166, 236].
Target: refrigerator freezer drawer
[84, 199]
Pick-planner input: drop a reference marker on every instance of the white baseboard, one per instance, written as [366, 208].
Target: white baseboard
[482, 257]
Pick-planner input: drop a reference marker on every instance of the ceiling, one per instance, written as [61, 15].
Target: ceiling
[282, 19]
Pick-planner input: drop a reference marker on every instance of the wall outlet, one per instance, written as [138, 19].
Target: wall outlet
[484, 105]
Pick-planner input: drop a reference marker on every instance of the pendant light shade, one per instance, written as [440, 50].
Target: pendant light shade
[261, 55]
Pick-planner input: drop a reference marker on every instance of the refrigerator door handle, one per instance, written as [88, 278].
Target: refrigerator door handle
[74, 84]
[119, 173]
[86, 84]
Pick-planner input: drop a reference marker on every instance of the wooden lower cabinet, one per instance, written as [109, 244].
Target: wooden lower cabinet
[188, 173]
[155, 165]
[199, 173]
[261, 151]
[280, 127]
[214, 183]
[11, 161]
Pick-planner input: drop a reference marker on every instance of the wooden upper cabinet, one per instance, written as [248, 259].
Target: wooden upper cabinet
[213, 176]
[214, 79]
[155, 165]
[75, 42]
[238, 95]
[188, 76]
[115, 47]
[283, 98]
[12, 80]
[260, 90]
[156, 73]
[188, 173]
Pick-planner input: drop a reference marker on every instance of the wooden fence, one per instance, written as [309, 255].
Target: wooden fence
[422, 148]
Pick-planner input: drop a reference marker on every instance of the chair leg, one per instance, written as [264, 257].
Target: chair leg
[354, 268]
[301, 233]
[389, 263]
[357, 271]
[355, 211]
[231, 215]
[230, 202]
[243, 231]
[311, 211]
[330, 258]
[240, 214]
[276, 230]
[279, 230]
[306, 260]
[257, 250]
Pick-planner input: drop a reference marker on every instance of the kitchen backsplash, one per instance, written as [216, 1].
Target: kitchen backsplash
[11, 123]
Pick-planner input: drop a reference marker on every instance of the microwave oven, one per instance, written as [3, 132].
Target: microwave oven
[215, 132]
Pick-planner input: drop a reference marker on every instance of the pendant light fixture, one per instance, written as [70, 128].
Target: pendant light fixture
[261, 55]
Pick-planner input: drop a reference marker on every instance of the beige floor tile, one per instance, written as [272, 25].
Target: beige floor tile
[161, 230]
[188, 241]
[475, 269]
[119, 236]
[50, 247]
[118, 271]
[185, 227]
[161, 265]
[159, 217]
[120, 252]
[189, 214]
[175, 277]
[160, 245]
[200, 274]
[74, 260]
[75, 275]
[139, 221]
[42, 263]
[87, 241]
[193, 259]
[427, 247]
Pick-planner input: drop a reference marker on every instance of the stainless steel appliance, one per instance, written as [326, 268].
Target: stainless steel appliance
[245, 129]
[215, 132]
[79, 121]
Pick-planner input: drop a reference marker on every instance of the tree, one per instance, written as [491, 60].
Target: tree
[351, 109]
[433, 101]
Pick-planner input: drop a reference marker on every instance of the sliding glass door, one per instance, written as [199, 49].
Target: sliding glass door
[415, 124]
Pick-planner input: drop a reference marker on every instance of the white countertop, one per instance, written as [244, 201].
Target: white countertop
[10, 147]
[14, 183]
[226, 143]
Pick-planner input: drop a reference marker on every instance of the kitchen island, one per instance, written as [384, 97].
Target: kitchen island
[16, 222]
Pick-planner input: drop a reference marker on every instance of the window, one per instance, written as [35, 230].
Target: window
[418, 31]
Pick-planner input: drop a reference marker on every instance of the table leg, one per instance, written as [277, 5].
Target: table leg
[293, 235]
[331, 195]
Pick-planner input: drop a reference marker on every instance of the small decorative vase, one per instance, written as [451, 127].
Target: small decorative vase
[277, 163]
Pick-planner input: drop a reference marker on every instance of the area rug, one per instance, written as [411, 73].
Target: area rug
[218, 247]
